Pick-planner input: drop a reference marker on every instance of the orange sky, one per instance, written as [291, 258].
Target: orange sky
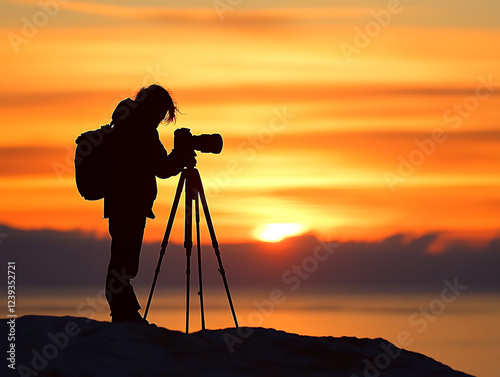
[312, 136]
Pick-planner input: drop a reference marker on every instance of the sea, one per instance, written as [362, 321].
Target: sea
[461, 330]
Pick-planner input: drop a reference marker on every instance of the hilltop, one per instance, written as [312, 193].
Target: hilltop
[75, 346]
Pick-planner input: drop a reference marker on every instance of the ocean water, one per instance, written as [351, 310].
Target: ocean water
[460, 330]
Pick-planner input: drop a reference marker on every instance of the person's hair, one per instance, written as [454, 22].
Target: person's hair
[155, 98]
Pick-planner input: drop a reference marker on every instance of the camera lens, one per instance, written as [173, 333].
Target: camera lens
[206, 143]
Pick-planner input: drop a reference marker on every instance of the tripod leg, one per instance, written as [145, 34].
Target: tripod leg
[166, 237]
[188, 242]
[198, 244]
[215, 245]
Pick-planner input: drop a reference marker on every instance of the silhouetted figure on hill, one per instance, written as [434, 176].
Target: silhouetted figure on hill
[138, 157]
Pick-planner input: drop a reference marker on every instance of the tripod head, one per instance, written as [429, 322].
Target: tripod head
[193, 184]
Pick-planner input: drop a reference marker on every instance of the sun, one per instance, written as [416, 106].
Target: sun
[276, 232]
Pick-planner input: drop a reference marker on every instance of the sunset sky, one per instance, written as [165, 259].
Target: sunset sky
[356, 120]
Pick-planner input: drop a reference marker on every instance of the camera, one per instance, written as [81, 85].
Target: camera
[205, 143]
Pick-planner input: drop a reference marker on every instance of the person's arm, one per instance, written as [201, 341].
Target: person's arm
[168, 165]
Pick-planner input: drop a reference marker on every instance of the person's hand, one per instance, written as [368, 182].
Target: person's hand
[189, 160]
[185, 159]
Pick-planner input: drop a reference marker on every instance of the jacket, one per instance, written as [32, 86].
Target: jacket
[138, 157]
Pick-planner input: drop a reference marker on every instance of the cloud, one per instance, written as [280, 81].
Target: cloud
[272, 92]
[314, 92]
[32, 161]
[401, 263]
[209, 13]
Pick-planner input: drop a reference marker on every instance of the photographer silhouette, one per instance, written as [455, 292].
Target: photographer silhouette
[137, 158]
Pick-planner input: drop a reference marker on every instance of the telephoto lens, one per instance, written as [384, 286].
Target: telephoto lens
[205, 143]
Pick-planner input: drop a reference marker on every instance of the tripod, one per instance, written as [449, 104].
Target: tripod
[193, 192]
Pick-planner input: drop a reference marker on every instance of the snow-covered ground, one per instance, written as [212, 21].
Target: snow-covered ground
[72, 346]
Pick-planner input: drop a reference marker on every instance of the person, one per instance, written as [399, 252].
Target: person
[138, 157]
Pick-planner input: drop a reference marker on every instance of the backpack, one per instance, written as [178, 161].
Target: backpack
[93, 157]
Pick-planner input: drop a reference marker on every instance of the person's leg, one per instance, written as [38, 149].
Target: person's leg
[126, 242]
